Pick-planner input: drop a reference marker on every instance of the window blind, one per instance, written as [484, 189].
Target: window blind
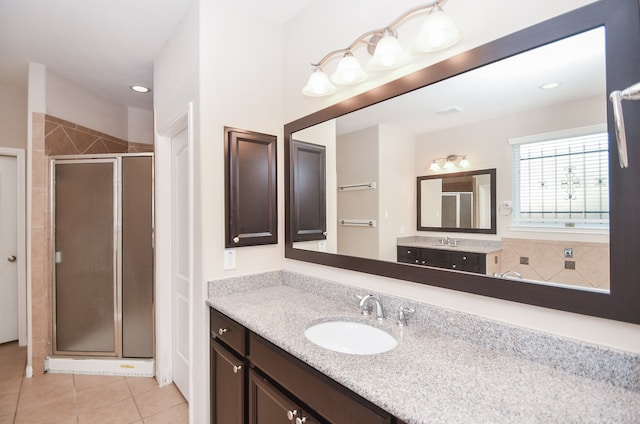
[562, 181]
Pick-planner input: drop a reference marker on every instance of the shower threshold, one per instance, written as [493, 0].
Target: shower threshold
[133, 367]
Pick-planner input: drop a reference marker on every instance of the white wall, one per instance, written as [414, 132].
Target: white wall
[306, 40]
[397, 189]
[176, 82]
[13, 116]
[139, 125]
[69, 101]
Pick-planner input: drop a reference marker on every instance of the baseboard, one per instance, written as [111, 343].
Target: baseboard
[125, 367]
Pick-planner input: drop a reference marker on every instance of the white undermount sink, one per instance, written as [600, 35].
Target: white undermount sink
[350, 337]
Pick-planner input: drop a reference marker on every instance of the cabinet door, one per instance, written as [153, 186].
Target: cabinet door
[267, 405]
[308, 194]
[227, 386]
[250, 189]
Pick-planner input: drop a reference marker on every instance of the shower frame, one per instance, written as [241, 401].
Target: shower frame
[116, 160]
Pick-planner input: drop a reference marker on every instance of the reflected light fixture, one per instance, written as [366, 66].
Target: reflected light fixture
[438, 32]
[449, 163]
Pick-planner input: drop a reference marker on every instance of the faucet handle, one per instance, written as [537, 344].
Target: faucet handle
[403, 314]
[365, 307]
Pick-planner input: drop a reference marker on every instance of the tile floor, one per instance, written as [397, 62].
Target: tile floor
[79, 399]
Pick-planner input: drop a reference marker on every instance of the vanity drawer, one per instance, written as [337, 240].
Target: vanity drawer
[409, 255]
[435, 257]
[465, 261]
[228, 331]
[326, 397]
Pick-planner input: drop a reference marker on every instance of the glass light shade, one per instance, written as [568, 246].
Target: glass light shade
[349, 71]
[318, 85]
[434, 166]
[464, 162]
[449, 165]
[438, 32]
[389, 54]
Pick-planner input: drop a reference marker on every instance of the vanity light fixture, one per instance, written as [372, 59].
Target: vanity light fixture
[438, 32]
[450, 162]
[139, 88]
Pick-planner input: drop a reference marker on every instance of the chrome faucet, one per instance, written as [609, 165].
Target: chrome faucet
[365, 308]
[509, 274]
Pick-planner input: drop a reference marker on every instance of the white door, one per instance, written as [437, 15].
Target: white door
[9, 261]
[180, 260]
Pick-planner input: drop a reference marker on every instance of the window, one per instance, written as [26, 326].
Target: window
[562, 179]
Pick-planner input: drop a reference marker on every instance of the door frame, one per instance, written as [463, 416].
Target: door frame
[163, 245]
[21, 253]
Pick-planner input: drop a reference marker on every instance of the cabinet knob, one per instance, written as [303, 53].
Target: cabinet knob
[236, 239]
[453, 266]
[292, 414]
[237, 368]
[301, 420]
[221, 331]
[408, 251]
[417, 261]
[464, 258]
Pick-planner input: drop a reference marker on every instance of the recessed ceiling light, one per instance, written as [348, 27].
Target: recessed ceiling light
[139, 88]
[549, 85]
[449, 110]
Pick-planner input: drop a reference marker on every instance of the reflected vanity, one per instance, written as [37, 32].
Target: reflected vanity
[498, 87]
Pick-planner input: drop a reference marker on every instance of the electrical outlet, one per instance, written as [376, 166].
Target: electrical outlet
[569, 265]
[322, 246]
[524, 260]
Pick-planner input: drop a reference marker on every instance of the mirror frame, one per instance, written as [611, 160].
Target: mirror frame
[621, 19]
[492, 176]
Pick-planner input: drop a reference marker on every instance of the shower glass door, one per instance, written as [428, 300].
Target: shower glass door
[85, 220]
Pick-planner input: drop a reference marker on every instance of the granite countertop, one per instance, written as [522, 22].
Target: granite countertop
[430, 376]
[463, 245]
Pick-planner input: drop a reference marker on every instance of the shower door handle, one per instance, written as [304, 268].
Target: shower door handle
[12, 258]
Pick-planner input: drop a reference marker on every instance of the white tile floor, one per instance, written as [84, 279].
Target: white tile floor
[79, 399]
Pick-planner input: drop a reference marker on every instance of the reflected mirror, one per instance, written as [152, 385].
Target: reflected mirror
[458, 202]
[531, 108]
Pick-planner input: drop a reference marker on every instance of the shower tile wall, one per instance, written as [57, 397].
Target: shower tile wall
[546, 261]
[54, 136]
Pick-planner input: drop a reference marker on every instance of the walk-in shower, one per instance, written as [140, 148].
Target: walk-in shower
[102, 224]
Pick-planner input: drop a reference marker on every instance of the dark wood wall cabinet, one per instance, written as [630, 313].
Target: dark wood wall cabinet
[309, 198]
[256, 382]
[250, 188]
[440, 258]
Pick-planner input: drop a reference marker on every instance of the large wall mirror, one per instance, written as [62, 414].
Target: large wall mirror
[578, 255]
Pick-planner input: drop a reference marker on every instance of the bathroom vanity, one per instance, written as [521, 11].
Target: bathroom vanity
[447, 366]
[478, 256]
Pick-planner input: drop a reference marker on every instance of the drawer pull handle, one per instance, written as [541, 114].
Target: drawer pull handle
[237, 368]
[301, 420]
[221, 331]
[292, 414]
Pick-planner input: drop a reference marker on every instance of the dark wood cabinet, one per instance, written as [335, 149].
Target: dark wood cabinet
[255, 382]
[309, 199]
[250, 189]
[227, 386]
[440, 258]
[268, 405]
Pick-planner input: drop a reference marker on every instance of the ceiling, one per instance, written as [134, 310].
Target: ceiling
[103, 45]
[502, 88]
